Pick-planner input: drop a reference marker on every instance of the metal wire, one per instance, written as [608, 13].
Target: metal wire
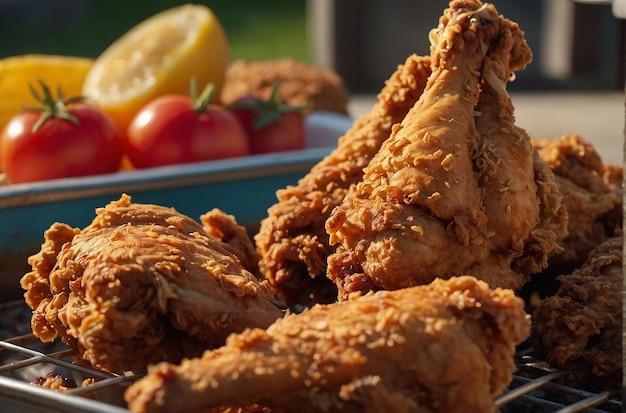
[528, 387]
[588, 402]
[38, 357]
[535, 384]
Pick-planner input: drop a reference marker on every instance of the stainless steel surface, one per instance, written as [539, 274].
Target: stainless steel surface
[534, 387]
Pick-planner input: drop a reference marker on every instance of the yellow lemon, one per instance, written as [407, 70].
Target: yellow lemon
[159, 56]
[17, 72]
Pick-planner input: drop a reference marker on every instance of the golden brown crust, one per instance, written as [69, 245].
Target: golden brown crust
[299, 83]
[580, 327]
[417, 349]
[140, 284]
[292, 240]
[224, 228]
[456, 187]
[592, 194]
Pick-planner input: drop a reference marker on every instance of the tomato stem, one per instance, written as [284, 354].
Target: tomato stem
[267, 111]
[52, 108]
[200, 103]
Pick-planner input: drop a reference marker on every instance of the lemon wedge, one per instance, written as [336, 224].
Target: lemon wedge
[17, 72]
[159, 56]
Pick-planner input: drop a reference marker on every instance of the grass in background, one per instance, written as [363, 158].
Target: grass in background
[265, 29]
[255, 29]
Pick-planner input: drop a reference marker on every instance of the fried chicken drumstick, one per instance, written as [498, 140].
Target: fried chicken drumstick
[443, 347]
[521, 198]
[442, 197]
[292, 240]
[141, 284]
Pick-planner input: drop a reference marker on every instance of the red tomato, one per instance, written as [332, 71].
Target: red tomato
[89, 144]
[171, 130]
[285, 134]
[271, 125]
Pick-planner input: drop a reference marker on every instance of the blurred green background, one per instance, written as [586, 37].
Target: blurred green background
[255, 29]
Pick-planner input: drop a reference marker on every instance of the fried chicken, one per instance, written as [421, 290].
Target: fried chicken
[592, 193]
[224, 228]
[299, 83]
[580, 328]
[423, 207]
[63, 384]
[141, 284]
[56, 382]
[521, 197]
[292, 241]
[443, 347]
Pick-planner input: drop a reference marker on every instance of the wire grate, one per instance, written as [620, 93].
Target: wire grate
[23, 358]
[536, 389]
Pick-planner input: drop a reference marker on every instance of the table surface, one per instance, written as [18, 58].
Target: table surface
[598, 117]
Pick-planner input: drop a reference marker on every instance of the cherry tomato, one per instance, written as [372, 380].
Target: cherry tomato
[63, 139]
[178, 129]
[271, 125]
[285, 134]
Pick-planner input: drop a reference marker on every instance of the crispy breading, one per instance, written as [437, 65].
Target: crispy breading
[298, 83]
[454, 188]
[579, 329]
[592, 193]
[141, 284]
[443, 347]
[292, 240]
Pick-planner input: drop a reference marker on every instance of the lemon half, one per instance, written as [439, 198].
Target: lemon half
[159, 56]
[17, 72]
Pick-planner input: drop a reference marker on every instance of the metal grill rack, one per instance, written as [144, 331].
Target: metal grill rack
[23, 358]
[535, 389]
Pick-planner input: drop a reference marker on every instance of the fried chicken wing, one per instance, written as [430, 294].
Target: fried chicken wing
[299, 83]
[443, 347]
[292, 241]
[431, 190]
[580, 327]
[592, 193]
[141, 284]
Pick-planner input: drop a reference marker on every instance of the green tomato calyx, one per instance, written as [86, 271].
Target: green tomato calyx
[267, 111]
[52, 108]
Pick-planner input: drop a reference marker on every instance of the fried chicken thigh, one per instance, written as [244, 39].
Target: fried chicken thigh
[580, 327]
[424, 205]
[141, 284]
[443, 347]
[292, 240]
